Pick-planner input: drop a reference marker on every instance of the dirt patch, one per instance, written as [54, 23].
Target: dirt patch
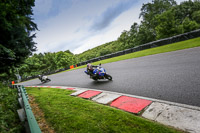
[39, 116]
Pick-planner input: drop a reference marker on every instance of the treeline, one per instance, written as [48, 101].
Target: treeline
[160, 19]
[47, 62]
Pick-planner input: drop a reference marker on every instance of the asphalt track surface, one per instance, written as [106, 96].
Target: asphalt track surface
[172, 76]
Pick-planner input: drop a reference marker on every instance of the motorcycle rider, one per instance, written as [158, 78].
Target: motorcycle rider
[40, 77]
[90, 69]
[97, 72]
[43, 78]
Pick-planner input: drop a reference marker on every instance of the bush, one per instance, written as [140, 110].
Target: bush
[9, 120]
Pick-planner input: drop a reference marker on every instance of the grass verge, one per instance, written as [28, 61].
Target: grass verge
[73, 114]
[157, 50]
[9, 120]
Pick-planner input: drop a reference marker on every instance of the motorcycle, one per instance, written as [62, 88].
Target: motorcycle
[98, 73]
[44, 79]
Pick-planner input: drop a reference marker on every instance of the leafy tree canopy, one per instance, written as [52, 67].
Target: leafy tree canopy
[16, 26]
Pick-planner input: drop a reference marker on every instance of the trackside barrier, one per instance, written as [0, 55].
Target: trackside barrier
[161, 42]
[165, 41]
[72, 66]
[26, 113]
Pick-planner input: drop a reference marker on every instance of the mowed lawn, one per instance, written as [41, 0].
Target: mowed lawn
[66, 113]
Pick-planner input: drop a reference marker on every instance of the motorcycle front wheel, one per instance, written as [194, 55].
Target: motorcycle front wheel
[107, 76]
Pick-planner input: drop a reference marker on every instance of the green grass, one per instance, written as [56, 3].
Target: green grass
[157, 50]
[9, 120]
[73, 114]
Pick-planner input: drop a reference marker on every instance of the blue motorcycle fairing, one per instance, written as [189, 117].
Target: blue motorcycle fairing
[101, 71]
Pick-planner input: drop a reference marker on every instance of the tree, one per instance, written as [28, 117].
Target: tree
[50, 61]
[122, 40]
[167, 25]
[64, 59]
[16, 26]
[132, 35]
[145, 35]
[104, 52]
[189, 25]
[148, 13]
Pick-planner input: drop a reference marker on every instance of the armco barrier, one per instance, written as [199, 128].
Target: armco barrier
[161, 42]
[26, 113]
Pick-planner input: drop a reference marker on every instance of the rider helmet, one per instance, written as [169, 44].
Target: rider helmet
[89, 66]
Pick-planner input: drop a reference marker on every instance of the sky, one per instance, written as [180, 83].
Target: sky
[79, 25]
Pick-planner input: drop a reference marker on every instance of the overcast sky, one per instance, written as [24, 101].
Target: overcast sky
[79, 25]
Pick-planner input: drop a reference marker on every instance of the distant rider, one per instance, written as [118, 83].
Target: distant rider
[40, 77]
[43, 77]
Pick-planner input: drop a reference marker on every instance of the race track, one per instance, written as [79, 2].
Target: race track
[172, 76]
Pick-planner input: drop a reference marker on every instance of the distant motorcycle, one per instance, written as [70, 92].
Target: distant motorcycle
[43, 78]
[98, 72]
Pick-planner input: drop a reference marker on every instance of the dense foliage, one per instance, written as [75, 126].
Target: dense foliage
[9, 118]
[47, 62]
[16, 39]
